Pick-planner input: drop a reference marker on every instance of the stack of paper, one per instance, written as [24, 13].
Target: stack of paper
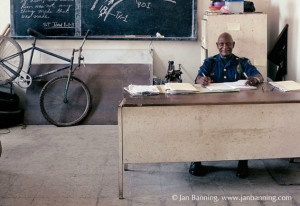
[221, 87]
[180, 88]
[286, 86]
[230, 86]
[241, 85]
[142, 90]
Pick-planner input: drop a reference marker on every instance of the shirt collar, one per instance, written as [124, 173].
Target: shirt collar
[231, 59]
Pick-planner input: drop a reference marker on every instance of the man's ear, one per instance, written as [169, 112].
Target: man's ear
[217, 44]
[233, 44]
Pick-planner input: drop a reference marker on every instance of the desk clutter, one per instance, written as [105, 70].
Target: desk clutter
[170, 88]
[187, 88]
[231, 6]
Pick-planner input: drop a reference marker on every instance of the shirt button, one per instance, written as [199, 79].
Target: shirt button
[224, 70]
[225, 77]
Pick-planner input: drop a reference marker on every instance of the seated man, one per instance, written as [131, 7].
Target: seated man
[226, 67]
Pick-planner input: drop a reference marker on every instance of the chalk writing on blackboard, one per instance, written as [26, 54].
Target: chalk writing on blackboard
[106, 8]
[47, 9]
[173, 19]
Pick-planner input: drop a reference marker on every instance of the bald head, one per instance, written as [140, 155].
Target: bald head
[225, 45]
[226, 36]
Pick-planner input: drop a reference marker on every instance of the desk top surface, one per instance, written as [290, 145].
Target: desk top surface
[243, 97]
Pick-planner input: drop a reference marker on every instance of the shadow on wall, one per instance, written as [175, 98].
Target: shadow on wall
[275, 26]
[293, 56]
[159, 69]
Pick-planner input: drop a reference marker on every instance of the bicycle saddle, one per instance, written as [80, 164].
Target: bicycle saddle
[36, 34]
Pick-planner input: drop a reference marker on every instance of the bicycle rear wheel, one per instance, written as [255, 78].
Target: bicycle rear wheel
[11, 59]
[62, 114]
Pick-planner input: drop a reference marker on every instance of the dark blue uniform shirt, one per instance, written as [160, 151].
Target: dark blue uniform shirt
[214, 68]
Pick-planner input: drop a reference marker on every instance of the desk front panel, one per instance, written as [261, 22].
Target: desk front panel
[242, 97]
[209, 132]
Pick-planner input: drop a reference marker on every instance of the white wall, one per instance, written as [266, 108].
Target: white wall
[4, 14]
[186, 53]
[281, 13]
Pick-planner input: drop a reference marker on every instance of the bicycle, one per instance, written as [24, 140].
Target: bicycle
[60, 94]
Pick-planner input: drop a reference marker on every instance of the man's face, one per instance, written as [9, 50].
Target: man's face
[225, 45]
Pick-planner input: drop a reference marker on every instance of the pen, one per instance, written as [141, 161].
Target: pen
[245, 75]
[203, 74]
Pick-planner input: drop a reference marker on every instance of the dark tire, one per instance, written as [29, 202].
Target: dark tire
[8, 102]
[11, 118]
[65, 114]
[11, 59]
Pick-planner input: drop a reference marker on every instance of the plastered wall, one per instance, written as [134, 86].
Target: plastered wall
[186, 53]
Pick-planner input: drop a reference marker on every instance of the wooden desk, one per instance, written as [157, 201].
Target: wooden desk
[208, 127]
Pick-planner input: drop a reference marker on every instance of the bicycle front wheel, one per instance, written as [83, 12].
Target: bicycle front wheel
[65, 112]
[11, 59]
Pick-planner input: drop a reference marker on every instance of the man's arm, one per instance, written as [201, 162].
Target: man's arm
[202, 77]
[204, 81]
[254, 76]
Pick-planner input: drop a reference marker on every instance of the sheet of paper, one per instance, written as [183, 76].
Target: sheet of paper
[180, 87]
[237, 83]
[234, 26]
[240, 84]
[219, 87]
[286, 85]
[228, 86]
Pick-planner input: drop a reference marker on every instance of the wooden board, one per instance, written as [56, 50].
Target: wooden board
[105, 81]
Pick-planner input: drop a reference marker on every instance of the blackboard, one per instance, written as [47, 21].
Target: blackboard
[107, 19]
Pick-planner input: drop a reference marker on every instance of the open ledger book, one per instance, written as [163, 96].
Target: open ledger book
[180, 88]
[229, 86]
[286, 86]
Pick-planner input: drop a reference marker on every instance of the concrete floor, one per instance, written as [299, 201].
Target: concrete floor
[46, 165]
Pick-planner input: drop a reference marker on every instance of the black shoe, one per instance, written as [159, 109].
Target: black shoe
[197, 169]
[242, 170]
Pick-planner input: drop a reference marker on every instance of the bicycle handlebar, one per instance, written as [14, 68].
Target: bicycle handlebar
[80, 48]
[87, 33]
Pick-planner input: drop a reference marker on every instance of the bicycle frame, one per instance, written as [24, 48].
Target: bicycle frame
[59, 86]
[34, 47]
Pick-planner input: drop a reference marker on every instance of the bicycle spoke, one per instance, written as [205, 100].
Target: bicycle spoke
[5, 72]
[11, 59]
[9, 69]
[62, 113]
[16, 67]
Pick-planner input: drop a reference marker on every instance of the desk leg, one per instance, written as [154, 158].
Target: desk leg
[121, 165]
[121, 168]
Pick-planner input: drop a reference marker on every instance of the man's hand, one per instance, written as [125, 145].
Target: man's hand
[253, 81]
[204, 81]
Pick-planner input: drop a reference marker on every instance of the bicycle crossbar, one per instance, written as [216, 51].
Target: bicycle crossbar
[52, 54]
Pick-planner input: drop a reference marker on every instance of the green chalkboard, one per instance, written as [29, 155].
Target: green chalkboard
[107, 19]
